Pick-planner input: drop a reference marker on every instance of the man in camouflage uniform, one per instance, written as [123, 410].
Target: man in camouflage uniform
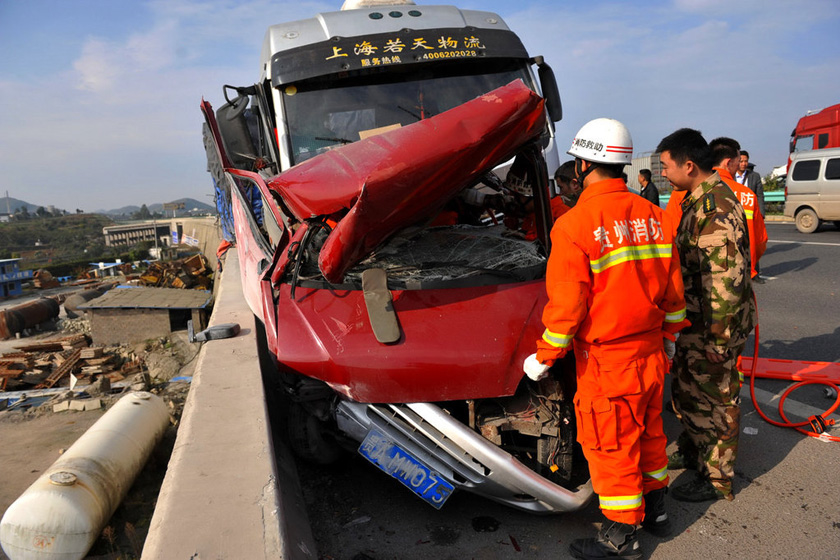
[713, 243]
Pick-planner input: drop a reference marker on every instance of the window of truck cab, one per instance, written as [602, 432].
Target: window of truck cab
[326, 112]
[803, 143]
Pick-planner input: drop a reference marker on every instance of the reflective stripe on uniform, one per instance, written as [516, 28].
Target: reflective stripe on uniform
[750, 214]
[675, 316]
[557, 340]
[621, 502]
[630, 253]
[660, 475]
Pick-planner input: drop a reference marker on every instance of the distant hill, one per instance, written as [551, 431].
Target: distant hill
[190, 205]
[46, 241]
[8, 205]
[119, 211]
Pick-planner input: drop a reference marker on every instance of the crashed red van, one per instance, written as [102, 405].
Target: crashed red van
[376, 181]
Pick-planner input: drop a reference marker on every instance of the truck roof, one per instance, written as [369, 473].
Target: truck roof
[818, 119]
[350, 34]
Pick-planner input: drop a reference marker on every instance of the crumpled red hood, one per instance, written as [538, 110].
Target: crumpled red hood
[399, 177]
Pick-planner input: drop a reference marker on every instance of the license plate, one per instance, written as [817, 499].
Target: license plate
[400, 464]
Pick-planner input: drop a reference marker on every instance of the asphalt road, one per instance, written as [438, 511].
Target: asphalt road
[787, 490]
[799, 305]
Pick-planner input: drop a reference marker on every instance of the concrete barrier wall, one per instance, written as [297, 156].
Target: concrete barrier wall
[223, 495]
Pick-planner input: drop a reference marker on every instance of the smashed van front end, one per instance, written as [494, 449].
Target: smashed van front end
[392, 221]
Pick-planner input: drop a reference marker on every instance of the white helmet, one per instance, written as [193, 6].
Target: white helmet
[603, 141]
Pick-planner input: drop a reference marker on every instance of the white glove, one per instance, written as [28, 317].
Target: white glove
[534, 369]
[670, 347]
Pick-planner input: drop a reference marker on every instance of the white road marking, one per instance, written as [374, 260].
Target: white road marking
[803, 242]
[795, 410]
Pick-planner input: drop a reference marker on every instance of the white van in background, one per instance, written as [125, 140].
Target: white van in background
[812, 192]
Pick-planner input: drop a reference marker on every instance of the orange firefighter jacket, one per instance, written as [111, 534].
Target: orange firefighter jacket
[674, 207]
[613, 276]
[755, 221]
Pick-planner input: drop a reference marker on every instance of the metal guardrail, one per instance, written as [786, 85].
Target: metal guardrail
[769, 196]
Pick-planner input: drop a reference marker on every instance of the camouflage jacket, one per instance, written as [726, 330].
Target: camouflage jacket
[713, 243]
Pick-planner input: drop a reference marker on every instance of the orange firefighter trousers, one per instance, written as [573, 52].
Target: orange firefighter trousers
[618, 405]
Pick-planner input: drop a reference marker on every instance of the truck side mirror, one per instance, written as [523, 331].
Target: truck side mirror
[549, 89]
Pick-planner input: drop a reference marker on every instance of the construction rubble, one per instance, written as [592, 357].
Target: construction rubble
[67, 373]
[44, 365]
[190, 273]
[44, 280]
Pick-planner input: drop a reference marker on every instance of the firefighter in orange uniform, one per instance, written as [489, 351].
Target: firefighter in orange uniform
[674, 208]
[726, 156]
[616, 296]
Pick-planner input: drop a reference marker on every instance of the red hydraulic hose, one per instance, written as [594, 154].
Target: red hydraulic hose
[819, 422]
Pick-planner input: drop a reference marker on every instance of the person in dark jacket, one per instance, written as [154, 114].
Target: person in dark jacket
[649, 190]
[746, 175]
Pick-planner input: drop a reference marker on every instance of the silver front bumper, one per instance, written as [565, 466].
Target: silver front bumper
[461, 455]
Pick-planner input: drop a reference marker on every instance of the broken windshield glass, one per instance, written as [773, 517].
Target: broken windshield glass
[424, 258]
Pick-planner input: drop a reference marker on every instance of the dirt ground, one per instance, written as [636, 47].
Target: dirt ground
[32, 440]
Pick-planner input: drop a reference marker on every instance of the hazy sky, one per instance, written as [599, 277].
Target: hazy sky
[99, 99]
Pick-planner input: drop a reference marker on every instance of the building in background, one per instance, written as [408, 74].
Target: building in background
[128, 314]
[11, 277]
[126, 235]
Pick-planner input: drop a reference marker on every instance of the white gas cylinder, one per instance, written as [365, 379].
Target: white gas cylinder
[61, 515]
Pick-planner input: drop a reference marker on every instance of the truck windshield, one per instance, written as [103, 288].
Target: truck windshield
[324, 113]
[802, 143]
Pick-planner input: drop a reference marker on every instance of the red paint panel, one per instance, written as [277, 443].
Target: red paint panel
[457, 344]
[397, 178]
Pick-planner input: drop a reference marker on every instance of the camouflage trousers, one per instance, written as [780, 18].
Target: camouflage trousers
[706, 400]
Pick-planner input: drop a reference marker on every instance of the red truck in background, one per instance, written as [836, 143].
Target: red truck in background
[816, 131]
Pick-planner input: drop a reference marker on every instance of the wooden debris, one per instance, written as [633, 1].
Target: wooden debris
[75, 341]
[65, 368]
[27, 360]
[9, 370]
[45, 364]
[90, 353]
[42, 279]
[95, 370]
[15, 356]
[66, 343]
[193, 272]
[133, 366]
[115, 376]
[98, 361]
[50, 346]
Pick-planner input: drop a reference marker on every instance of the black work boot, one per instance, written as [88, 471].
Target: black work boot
[656, 520]
[678, 460]
[685, 457]
[614, 540]
[700, 489]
